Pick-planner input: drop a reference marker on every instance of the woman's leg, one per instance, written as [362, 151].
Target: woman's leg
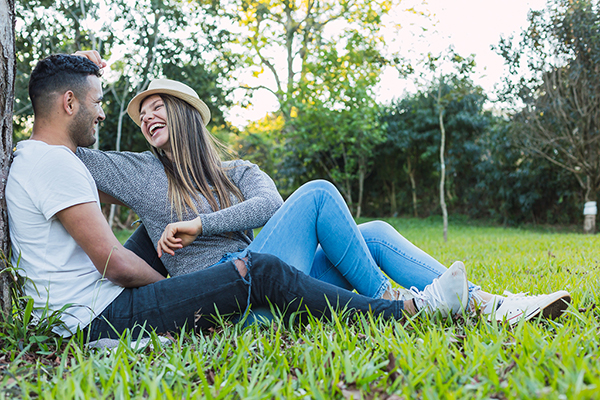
[401, 260]
[317, 214]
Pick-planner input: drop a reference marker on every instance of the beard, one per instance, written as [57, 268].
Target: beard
[83, 127]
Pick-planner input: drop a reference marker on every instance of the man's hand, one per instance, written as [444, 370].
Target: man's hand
[178, 235]
[86, 224]
[93, 56]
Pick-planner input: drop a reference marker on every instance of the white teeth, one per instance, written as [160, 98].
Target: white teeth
[155, 127]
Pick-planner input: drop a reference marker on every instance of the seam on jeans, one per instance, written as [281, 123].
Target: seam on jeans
[248, 281]
[161, 315]
[367, 254]
[401, 253]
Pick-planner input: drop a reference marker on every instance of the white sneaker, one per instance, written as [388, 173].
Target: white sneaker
[448, 294]
[482, 306]
[517, 306]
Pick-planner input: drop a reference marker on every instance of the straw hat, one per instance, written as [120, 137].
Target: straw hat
[173, 88]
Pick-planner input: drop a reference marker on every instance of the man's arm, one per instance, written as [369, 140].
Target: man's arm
[108, 199]
[86, 224]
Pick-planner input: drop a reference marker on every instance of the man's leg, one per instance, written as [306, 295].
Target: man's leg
[166, 306]
[275, 282]
[192, 300]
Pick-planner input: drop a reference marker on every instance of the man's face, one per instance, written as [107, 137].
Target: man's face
[90, 113]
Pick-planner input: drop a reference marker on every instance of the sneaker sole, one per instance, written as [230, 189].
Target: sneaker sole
[554, 308]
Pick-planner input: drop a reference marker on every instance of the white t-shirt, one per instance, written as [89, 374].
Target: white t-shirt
[42, 181]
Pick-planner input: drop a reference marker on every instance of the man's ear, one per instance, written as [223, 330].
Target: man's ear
[70, 102]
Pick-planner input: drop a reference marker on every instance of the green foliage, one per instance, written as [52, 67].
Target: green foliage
[365, 357]
[558, 103]
[412, 146]
[43, 28]
[514, 187]
[260, 143]
[489, 175]
[333, 125]
[297, 29]
[156, 39]
[22, 331]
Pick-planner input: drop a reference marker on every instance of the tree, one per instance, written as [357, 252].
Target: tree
[559, 119]
[45, 28]
[412, 145]
[513, 186]
[323, 136]
[298, 29]
[409, 147]
[462, 69]
[7, 80]
[156, 39]
[334, 124]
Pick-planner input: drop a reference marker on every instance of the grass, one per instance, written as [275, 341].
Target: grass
[362, 357]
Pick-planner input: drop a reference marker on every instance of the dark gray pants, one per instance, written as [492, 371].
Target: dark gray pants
[194, 299]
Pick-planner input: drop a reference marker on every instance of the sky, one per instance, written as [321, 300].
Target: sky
[470, 26]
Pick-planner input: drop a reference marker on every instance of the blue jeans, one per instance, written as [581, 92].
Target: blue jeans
[315, 232]
[194, 299]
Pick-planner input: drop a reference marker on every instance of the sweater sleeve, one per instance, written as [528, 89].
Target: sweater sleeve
[261, 201]
[119, 174]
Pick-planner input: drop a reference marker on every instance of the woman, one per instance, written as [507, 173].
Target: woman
[201, 211]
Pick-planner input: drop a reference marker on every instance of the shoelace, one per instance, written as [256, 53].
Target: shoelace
[430, 295]
[512, 295]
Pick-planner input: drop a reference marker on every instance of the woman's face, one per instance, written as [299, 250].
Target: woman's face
[153, 121]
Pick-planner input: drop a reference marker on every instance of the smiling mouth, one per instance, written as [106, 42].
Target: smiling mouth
[156, 127]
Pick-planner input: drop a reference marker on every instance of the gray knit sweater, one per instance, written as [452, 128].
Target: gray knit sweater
[139, 181]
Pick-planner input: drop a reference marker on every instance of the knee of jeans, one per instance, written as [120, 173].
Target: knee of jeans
[267, 265]
[377, 229]
[320, 184]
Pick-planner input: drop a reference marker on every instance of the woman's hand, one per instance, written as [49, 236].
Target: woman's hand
[178, 235]
[93, 56]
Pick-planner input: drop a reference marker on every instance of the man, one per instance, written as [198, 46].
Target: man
[73, 262]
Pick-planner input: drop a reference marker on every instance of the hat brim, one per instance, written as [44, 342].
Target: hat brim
[133, 109]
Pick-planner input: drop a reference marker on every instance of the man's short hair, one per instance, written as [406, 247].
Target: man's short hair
[55, 75]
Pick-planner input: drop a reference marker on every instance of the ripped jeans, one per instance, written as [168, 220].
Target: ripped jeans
[193, 300]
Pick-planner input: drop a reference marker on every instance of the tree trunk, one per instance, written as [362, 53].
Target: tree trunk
[113, 207]
[393, 202]
[442, 164]
[7, 82]
[413, 186]
[361, 184]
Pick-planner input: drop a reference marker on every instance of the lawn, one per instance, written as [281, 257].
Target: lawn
[361, 357]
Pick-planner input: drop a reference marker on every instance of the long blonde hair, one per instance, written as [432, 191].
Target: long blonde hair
[196, 167]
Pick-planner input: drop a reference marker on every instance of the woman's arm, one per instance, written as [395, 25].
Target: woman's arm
[120, 176]
[178, 235]
[261, 201]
